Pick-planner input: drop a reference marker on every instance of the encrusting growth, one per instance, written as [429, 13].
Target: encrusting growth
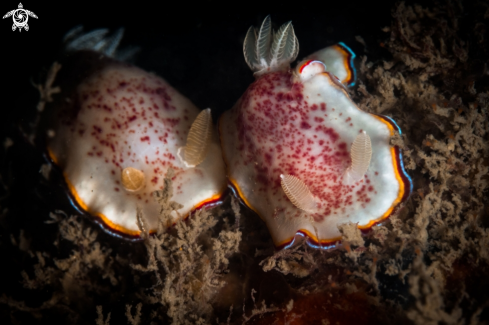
[198, 140]
[298, 193]
[361, 154]
[268, 51]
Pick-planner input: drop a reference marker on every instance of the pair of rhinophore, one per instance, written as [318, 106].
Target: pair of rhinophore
[294, 148]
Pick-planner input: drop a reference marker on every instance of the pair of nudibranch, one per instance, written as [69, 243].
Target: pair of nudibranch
[295, 148]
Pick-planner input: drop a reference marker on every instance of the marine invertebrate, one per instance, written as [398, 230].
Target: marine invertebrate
[300, 153]
[338, 59]
[115, 130]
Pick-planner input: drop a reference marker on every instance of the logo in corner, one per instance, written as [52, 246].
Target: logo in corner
[20, 17]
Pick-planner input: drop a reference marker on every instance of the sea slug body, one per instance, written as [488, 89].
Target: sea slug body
[300, 153]
[115, 132]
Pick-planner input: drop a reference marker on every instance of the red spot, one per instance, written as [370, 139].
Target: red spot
[376, 173]
[97, 129]
[342, 146]
[146, 138]
[132, 118]
[162, 92]
[348, 119]
[370, 188]
[268, 158]
[107, 108]
[318, 119]
[116, 189]
[305, 125]
[154, 180]
[172, 121]
[314, 107]
[328, 131]
[323, 106]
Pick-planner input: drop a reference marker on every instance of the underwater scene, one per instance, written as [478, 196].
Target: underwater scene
[198, 164]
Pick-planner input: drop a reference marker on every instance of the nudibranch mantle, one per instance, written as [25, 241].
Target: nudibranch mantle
[115, 137]
[338, 60]
[302, 123]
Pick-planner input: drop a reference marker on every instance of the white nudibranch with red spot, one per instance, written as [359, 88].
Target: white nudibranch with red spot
[300, 153]
[119, 129]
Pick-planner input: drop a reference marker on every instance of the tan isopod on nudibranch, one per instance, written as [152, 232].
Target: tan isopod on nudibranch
[116, 131]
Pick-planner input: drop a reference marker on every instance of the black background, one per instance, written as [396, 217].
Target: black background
[196, 46]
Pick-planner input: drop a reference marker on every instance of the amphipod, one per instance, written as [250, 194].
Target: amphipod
[115, 130]
[300, 153]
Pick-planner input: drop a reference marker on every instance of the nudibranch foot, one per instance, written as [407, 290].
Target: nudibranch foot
[302, 155]
[116, 131]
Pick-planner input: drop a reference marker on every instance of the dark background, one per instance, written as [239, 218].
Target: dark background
[196, 46]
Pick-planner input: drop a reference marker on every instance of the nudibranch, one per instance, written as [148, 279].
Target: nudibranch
[300, 153]
[115, 130]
